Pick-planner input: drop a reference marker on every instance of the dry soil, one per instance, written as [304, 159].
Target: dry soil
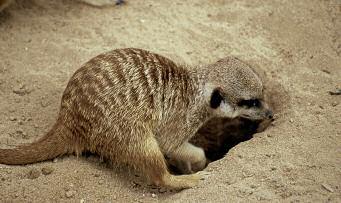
[296, 45]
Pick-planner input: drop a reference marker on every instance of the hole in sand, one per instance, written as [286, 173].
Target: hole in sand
[219, 135]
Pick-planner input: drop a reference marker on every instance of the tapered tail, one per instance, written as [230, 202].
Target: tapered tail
[52, 145]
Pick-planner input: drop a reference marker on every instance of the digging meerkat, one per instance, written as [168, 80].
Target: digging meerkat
[134, 107]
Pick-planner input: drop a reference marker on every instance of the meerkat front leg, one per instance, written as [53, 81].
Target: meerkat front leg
[188, 158]
[144, 154]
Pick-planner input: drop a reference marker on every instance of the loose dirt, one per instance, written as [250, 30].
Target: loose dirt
[295, 45]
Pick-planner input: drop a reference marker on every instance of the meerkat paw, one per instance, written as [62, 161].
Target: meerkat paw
[193, 180]
[188, 159]
[182, 181]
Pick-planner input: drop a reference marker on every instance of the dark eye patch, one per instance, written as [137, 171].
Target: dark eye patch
[250, 103]
[216, 99]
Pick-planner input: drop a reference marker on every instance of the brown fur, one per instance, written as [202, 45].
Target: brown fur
[135, 107]
[4, 4]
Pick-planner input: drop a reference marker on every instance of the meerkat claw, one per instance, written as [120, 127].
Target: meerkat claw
[203, 174]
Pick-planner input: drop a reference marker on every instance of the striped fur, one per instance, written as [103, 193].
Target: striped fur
[134, 107]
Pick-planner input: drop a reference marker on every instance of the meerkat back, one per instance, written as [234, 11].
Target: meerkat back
[112, 106]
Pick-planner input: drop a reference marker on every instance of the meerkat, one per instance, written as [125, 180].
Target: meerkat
[135, 107]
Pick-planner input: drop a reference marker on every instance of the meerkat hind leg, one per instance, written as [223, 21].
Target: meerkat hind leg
[147, 157]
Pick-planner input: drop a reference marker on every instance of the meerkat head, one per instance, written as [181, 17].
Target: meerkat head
[233, 89]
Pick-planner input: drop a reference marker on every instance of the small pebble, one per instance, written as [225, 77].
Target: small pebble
[154, 195]
[253, 186]
[19, 131]
[335, 92]
[21, 90]
[24, 135]
[326, 71]
[327, 187]
[44, 103]
[33, 173]
[47, 170]
[12, 118]
[334, 104]
[70, 193]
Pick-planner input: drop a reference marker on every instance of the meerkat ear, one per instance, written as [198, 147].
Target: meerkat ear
[216, 99]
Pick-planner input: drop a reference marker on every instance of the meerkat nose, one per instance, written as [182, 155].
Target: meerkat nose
[269, 114]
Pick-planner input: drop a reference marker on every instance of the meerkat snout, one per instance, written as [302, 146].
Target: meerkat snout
[254, 109]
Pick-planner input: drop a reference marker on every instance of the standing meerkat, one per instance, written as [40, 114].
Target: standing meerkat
[134, 107]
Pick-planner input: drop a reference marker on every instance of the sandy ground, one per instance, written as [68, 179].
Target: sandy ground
[295, 44]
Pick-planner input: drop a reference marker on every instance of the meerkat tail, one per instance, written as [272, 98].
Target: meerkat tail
[48, 147]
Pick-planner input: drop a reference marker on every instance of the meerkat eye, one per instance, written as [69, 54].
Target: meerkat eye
[250, 103]
[216, 99]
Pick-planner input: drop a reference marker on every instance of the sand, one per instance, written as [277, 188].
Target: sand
[296, 45]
